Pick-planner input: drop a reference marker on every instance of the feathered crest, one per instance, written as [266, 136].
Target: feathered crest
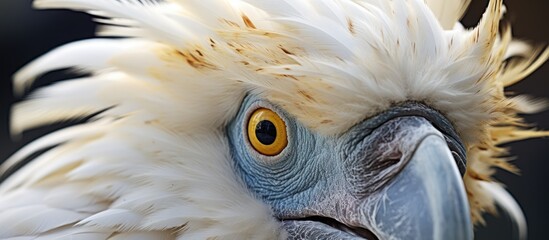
[166, 90]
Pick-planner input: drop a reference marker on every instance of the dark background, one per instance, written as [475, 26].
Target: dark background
[26, 34]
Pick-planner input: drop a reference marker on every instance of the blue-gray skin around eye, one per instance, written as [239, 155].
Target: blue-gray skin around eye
[290, 181]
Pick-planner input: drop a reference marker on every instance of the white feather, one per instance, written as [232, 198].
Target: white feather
[448, 12]
[38, 219]
[120, 219]
[87, 55]
[142, 236]
[75, 233]
[21, 198]
[508, 203]
[150, 15]
[47, 141]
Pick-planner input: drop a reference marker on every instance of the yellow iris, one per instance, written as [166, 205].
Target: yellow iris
[267, 132]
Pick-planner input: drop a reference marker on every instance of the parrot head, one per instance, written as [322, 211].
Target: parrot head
[396, 175]
[259, 119]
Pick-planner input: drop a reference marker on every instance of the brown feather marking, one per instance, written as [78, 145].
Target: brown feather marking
[306, 95]
[230, 23]
[287, 76]
[152, 122]
[286, 50]
[212, 43]
[248, 22]
[326, 121]
[193, 60]
[351, 26]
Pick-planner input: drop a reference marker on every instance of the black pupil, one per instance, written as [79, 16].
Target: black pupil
[265, 132]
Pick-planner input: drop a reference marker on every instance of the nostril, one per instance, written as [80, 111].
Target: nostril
[392, 158]
[388, 160]
[394, 155]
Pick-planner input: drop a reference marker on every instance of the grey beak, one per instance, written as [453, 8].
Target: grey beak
[427, 200]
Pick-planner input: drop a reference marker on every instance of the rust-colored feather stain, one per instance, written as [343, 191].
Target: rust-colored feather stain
[248, 22]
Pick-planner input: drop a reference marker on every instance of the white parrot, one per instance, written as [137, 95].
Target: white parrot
[263, 119]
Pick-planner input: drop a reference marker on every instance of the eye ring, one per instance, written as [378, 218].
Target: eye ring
[267, 132]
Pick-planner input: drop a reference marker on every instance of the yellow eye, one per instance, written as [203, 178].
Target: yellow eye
[267, 132]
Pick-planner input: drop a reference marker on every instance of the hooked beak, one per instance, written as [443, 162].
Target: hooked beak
[420, 195]
[426, 200]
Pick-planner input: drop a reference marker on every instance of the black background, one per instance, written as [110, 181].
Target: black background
[26, 34]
